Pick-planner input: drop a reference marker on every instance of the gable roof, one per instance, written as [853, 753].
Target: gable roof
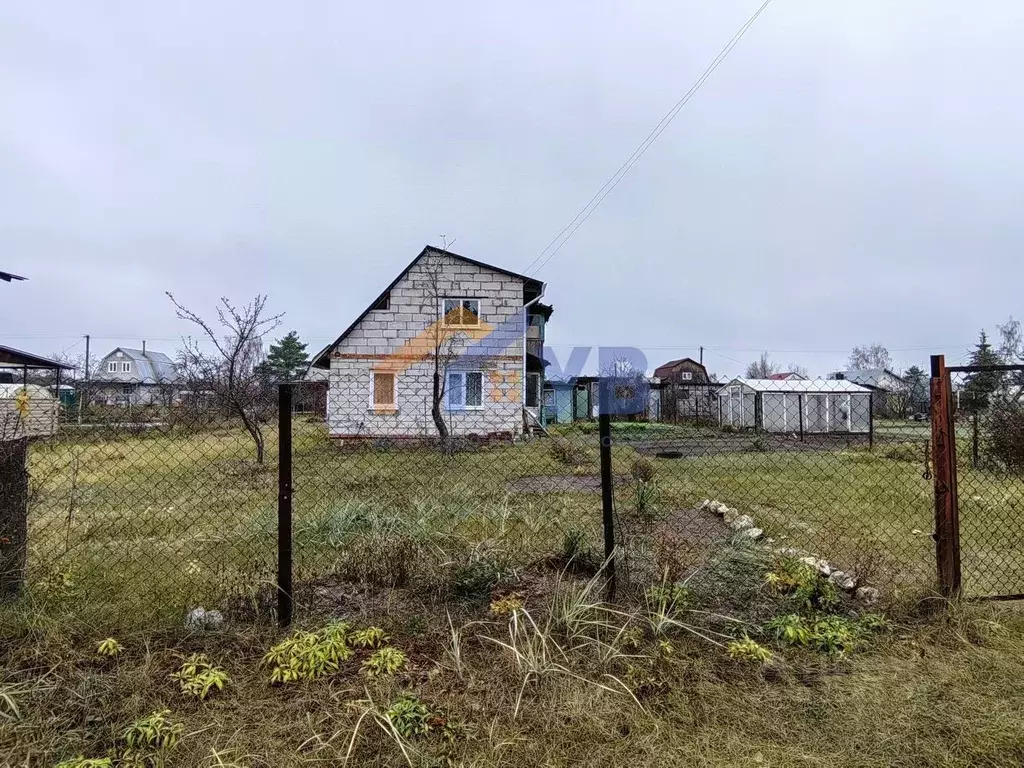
[868, 377]
[9, 276]
[153, 367]
[786, 375]
[322, 358]
[666, 368]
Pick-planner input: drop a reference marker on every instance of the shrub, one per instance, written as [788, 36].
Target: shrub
[646, 495]
[643, 470]
[384, 661]
[748, 650]
[412, 718]
[150, 738]
[197, 677]
[1005, 435]
[309, 656]
[568, 452]
[802, 582]
[109, 648]
[476, 578]
[578, 555]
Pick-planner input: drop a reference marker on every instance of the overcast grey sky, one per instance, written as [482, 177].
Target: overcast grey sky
[852, 173]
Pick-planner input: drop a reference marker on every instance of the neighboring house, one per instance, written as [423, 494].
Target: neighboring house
[135, 377]
[891, 389]
[573, 399]
[787, 376]
[477, 316]
[687, 392]
[796, 405]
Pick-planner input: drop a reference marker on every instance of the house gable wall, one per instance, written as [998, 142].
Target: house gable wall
[385, 336]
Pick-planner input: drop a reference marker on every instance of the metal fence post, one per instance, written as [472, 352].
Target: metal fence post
[13, 515]
[607, 491]
[871, 421]
[947, 523]
[284, 506]
[800, 402]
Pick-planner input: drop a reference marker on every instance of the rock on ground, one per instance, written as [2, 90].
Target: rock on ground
[200, 619]
[843, 580]
[868, 595]
[741, 522]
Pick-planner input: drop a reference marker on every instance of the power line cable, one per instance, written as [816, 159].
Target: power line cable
[613, 181]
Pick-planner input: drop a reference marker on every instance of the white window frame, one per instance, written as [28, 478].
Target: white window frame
[111, 366]
[460, 299]
[686, 375]
[373, 391]
[126, 367]
[462, 406]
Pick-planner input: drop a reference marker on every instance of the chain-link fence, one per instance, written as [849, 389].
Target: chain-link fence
[148, 510]
[145, 504]
[988, 424]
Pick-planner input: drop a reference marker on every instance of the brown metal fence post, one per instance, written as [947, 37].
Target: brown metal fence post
[947, 524]
[284, 506]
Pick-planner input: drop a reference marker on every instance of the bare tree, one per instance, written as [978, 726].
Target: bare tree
[443, 339]
[762, 368]
[1011, 350]
[872, 356]
[799, 370]
[230, 375]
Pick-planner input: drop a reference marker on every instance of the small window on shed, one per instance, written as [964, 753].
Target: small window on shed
[384, 302]
[686, 375]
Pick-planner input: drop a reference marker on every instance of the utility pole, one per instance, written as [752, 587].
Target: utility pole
[85, 388]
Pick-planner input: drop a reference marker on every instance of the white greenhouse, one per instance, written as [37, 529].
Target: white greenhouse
[811, 406]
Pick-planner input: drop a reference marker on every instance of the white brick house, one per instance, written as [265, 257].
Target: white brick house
[469, 317]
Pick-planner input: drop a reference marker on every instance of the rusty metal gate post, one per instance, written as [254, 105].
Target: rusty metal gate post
[947, 507]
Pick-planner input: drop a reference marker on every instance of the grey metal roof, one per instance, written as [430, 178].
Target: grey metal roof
[869, 377]
[812, 386]
[153, 367]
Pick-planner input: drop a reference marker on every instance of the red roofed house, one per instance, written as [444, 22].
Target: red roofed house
[687, 392]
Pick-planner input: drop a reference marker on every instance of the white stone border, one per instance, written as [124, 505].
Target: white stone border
[745, 529]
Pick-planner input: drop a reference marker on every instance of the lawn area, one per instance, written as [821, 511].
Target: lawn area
[497, 653]
[145, 526]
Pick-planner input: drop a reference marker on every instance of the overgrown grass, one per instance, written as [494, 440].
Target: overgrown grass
[136, 528]
[556, 676]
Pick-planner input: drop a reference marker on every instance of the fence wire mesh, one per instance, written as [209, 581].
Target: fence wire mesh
[989, 428]
[142, 508]
[149, 509]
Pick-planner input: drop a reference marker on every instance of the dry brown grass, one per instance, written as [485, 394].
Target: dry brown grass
[542, 688]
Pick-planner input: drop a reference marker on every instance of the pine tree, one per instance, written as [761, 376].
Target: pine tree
[980, 386]
[287, 360]
[917, 388]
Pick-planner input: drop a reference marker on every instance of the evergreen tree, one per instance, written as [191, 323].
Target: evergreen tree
[287, 360]
[917, 388]
[980, 386]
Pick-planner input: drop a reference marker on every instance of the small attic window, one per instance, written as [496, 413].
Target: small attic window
[384, 302]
